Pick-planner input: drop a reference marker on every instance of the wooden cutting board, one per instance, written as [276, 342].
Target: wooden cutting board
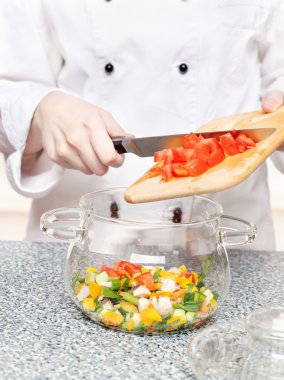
[228, 173]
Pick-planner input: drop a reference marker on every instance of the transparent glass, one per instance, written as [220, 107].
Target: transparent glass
[105, 229]
[241, 350]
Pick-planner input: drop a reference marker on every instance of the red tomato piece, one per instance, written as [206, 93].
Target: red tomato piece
[202, 150]
[190, 140]
[229, 144]
[167, 172]
[146, 279]
[168, 157]
[189, 275]
[196, 167]
[178, 170]
[187, 154]
[177, 154]
[244, 142]
[128, 267]
[216, 157]
[111, 272]
[160, 155]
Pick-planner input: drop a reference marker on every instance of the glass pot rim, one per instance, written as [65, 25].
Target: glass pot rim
[84, 200]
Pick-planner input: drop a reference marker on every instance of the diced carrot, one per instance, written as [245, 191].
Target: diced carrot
[179, 293]
[204, 308]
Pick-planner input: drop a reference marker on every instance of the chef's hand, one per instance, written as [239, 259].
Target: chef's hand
[272, 100]
[74, 134]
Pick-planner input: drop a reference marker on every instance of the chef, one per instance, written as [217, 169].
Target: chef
[74, 73]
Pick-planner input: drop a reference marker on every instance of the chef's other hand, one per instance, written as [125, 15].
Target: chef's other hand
[272, 100]
[74, 133]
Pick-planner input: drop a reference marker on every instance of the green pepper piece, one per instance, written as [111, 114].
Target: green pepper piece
[75, 279]
[215, 295]
[115, 284]
[108, 293]
[192, 306]
[130, 298]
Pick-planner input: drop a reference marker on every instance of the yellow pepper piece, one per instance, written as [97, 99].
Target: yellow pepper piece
[150, 315]
[129, 324]
[182, 269]
[157, 286]
[88, 304]
[144, 270]
[165, 274]
[79, 287]
[195, 277]
[213, 302]
[128, 307]
[111, 318]
[94, 270]
[178, 320]
[194, 289]
[162, 294]
[183, 281]
[132, 282]
[95, 290]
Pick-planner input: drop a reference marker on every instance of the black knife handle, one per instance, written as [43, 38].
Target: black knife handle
[117, 143]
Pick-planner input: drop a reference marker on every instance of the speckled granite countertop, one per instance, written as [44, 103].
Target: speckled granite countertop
[43, 335]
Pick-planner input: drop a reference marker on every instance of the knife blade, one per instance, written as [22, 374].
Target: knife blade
[147, 146]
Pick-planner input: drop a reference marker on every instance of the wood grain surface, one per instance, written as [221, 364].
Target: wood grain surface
[228, 173]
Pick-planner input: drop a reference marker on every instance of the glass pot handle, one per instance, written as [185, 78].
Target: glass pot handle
[63, 223]
[235, 231]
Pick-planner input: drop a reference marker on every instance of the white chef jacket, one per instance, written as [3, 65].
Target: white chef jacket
[232, 52]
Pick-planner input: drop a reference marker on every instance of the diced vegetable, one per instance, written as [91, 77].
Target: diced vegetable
[94, 289]
[129, 297]
[197, 155]
[133, 298]
[89, 304]
[102, 277]
[108, 293]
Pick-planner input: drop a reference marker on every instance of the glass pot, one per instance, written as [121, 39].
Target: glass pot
[180, 244]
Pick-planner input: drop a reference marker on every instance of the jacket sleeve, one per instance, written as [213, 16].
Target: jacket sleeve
[29, 65]
[272, 64]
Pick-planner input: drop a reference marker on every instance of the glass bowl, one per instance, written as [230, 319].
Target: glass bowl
[241, 350]
[151, 268]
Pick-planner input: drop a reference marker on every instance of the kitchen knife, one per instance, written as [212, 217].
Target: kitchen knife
[147, 146]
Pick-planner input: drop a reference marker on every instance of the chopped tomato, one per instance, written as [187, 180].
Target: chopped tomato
[160, 155]
[178, 170]
[196, 155]
[177, 152]
[196, 167]
[229, 144]
[130, 268]
[191, 276]
[202, 150]
[169, 156]
[167, 172]
[244, 142]
[146, 279]
[216, 157]
[111, 272]
[190, 140]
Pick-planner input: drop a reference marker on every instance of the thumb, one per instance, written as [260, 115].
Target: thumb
[272, 100]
